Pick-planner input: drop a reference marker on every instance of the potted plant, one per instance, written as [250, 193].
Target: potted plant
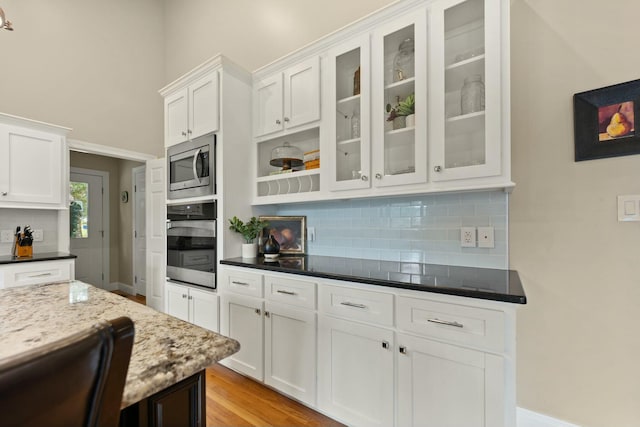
[249, 230]
[407, 108]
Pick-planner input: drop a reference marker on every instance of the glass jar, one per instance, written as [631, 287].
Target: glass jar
[404, 61]
[355, 125]
[472, 95]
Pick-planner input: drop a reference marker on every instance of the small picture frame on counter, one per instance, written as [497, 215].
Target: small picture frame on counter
[289, 231]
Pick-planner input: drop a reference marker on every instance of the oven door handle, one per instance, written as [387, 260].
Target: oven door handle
[196, 156]
[209, 225]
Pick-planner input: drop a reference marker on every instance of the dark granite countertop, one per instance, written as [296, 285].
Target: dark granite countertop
[472, 282]
[45, 256]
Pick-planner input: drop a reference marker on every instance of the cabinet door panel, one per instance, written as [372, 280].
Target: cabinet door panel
[175, 118]
[355, 372]
[441, 385]
[268, 111]
[290, 351]
[241, 319]
[203, 106]
[302, 93]
[204, 309]
[177, 301]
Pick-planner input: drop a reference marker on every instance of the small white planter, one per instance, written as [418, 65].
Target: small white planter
[411, 120]
[249, 250]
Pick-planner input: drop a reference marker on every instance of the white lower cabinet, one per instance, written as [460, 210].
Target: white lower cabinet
[197, 306]
[277, 333]
[36, 272]
[442, 385]
[355, 372]
[385, 356]
[290, 351]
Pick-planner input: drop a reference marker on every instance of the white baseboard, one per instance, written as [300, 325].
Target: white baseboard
[122, 287]
[527, 418]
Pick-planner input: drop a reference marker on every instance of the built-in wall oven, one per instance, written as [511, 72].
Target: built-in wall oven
[191, 243]
[191, 168]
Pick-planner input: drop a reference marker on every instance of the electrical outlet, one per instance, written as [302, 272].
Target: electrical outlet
[486, 237]
[7, 236]
[468, 237]
[38, 235]
[311, 234]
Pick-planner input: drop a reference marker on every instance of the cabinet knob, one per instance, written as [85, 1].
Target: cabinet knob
[4, 193]
[190, 297]
[378, 176]
[402, 349]
[437, 168]
[286, 119]
[189, 131]
[183, 133]
[267, 314]
[364, 178]
[385, 344]
[278, 122]
[184, 295]
[258, 311]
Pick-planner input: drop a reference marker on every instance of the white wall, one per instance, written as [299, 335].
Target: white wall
[91, 65]
[251, 33]
[578, 343]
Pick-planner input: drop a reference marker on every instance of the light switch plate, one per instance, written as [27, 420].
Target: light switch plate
[629, 208]
[38, 235]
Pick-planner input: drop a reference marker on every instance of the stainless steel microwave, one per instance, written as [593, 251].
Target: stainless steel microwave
[191, 168]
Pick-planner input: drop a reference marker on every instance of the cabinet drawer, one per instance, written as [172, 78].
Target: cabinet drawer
[38, 272]
[290, 291]
[243, 283]
[461, 324]
[357, 304]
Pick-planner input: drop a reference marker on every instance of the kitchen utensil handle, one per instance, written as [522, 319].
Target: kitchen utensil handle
[196, 156]
[353, 304]
[446, 323]
[280, 291]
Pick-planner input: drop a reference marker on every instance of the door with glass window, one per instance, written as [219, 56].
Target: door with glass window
[87, 224]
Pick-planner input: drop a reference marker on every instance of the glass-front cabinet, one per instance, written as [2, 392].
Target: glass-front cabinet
[465, 83]
[399, 117]
[349, 128]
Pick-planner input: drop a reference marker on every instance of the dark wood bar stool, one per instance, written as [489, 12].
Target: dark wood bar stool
[76, 381]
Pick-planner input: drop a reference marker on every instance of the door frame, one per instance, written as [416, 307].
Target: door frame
[135, 263]
[106, 225]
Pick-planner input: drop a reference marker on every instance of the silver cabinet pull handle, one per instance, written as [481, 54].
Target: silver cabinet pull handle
[353, 304]
[385, 344]
[258, 311]
[267, 314]
[184, 295]
[40, 275]
[446, 323]
[280, 291]
[437, 168]
[286, 119]
[364, 178]
[278, 122]
[240, 283]
[183, 133]
[378, 176]
[402, 349]
[4, 193]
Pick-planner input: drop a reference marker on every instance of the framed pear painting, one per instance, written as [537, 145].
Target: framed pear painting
[604, 121]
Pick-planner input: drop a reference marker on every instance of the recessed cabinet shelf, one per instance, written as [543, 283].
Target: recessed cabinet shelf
[457, 72]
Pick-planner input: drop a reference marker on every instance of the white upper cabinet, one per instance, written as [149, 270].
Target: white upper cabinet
[399, 76]
[466, 98]
[287, 99]
[32, 164]
[349, 119]
[192, 111]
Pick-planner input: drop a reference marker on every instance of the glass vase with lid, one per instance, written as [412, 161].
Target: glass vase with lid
[404, 61]
[472, 95]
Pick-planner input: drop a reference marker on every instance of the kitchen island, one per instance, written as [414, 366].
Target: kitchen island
[169, 355]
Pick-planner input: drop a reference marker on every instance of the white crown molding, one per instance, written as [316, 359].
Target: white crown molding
[33, 124]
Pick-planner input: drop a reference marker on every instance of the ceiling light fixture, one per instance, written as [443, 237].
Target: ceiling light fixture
[3, 21]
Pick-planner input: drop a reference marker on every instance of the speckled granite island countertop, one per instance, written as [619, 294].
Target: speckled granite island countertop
[166, 350]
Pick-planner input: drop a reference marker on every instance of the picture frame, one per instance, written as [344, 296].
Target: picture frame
[604, 121]
[289, 231]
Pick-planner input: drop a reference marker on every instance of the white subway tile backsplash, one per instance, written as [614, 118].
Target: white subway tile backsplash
[411, 229]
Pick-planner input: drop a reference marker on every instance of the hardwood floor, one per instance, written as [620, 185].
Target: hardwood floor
[235, 400]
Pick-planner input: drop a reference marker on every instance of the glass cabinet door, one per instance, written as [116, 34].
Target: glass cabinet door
[400, 113]
[350, 120]
[465, 89]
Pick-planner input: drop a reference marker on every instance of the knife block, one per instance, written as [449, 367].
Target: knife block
[24, 251]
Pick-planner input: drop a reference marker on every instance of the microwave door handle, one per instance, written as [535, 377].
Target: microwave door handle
[196, 156]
